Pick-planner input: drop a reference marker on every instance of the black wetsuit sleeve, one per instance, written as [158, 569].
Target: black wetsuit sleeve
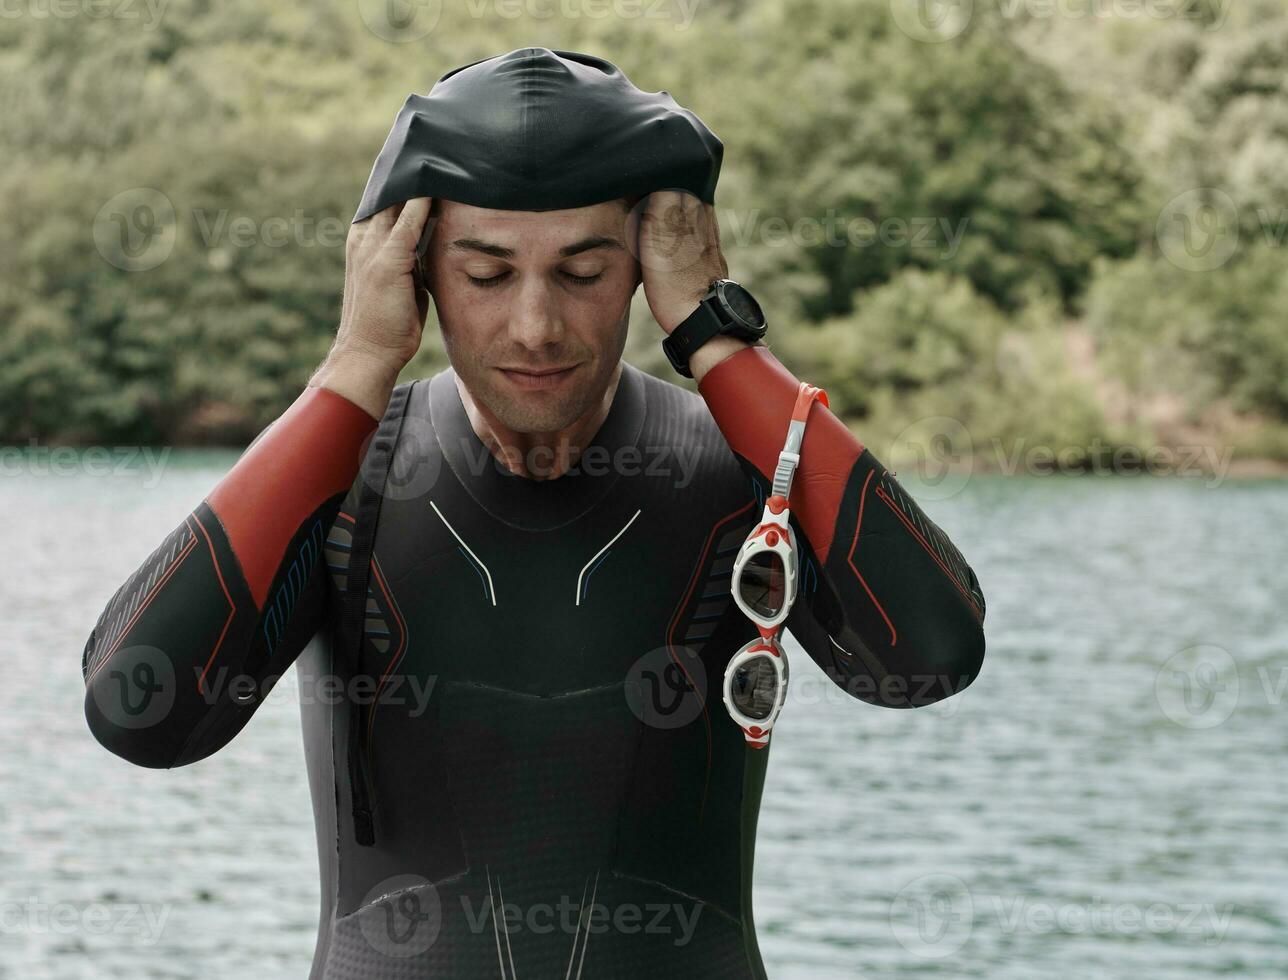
[888, 606]
[191, 643]
[894, 614]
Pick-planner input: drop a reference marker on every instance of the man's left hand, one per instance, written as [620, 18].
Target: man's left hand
[678, 240]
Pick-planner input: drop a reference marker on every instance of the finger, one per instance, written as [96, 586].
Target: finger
[411, 222]
[384, 220]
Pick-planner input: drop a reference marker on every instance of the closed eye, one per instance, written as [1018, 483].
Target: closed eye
[496, 280]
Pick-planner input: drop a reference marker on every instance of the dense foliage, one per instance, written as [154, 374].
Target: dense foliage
[934, 225]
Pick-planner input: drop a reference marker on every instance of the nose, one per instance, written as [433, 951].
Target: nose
[535, 318]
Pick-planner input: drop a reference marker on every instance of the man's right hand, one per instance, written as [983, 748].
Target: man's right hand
[384, 307]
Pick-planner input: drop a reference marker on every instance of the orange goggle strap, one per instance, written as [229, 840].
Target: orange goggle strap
[790, 456]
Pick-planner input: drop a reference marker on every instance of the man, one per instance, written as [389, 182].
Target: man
[520, 605]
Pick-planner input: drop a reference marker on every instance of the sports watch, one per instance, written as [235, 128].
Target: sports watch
[727, 309]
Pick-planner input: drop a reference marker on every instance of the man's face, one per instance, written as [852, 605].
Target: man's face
[519, 292]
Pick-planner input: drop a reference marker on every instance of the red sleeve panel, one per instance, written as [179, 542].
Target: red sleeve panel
[751, 396]
[311, 453]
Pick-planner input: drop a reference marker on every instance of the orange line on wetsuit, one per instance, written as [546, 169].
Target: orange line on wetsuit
[147, 601]
[402, 643]
[751, 396]
[863, 499]
[312, 452]
[232, 607]
[925, 544]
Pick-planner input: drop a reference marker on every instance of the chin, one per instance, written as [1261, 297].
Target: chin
[539, 411]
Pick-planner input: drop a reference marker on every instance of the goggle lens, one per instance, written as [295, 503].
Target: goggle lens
[763, 583]
[754, 687]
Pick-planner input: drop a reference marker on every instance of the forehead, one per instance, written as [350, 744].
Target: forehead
[530, 231]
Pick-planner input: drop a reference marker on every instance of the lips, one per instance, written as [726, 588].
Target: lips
[539, 372]
[538, 377]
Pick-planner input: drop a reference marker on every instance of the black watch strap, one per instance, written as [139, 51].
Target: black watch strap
[699, 327]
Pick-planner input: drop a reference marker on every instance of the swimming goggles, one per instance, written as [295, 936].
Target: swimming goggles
[764, 584]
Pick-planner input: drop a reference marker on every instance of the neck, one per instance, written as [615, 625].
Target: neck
[538, 455]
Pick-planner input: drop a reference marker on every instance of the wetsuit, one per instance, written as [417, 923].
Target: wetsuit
[556, 788]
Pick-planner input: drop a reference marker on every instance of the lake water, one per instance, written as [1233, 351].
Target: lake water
[1107, 800]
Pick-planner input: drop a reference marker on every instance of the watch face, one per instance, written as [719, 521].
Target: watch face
[742, 305]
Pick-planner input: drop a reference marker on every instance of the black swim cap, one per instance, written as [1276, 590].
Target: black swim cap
[541, 130]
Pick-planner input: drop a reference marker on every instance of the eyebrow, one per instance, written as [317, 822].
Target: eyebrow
[501, 252]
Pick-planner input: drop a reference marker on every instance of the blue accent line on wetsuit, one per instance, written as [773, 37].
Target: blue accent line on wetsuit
[585, 585]
[477, 571]
[277, 615]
